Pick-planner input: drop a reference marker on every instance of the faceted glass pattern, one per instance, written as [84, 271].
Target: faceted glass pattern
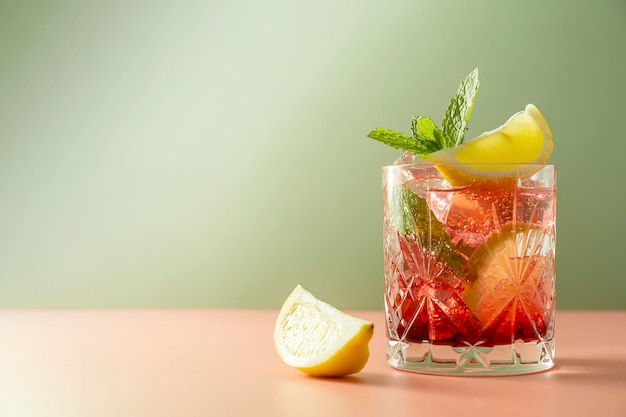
[469, 271]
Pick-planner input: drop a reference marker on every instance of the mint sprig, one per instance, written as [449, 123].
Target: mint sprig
[426, 136]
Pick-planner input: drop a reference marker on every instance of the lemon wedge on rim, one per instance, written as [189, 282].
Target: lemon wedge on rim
[318, 339]
[507, 152]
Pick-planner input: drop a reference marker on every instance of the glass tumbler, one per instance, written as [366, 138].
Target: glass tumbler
[470, 267]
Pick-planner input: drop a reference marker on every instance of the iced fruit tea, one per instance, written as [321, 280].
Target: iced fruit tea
[469, 270]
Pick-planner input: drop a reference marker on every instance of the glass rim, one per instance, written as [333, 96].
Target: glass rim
[469, 164]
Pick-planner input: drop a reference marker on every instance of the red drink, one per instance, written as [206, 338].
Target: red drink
[469, 271]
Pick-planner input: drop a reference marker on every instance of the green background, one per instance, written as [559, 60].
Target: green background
[213, 153]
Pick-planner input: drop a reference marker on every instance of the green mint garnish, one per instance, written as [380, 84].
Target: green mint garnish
[427, 137]
[460, 109]
[427, 134]
[394, 139]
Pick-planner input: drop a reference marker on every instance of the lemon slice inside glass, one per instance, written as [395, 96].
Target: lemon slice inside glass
[318, 339]
[513, 150]
[513, 266]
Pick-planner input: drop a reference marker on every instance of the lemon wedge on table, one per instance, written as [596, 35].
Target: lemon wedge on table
[318, 339]
[502, 153]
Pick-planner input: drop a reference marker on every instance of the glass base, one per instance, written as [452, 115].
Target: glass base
[514, 359]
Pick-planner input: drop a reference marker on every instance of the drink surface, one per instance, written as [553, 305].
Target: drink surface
[470, 265]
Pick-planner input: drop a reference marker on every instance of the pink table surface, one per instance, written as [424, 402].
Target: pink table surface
[222, 363]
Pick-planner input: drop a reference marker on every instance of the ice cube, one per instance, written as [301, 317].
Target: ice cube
[440, 203]
[407, 157]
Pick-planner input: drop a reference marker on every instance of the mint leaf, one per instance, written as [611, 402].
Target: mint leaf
[427, 135]
[394, 139]
[417, 219]
[459, 111]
